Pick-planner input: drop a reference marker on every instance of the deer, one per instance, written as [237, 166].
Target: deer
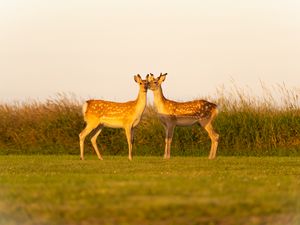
[172, 114]
[127, 115]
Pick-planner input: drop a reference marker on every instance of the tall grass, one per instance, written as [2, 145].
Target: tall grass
[268, 124]
[260, 123]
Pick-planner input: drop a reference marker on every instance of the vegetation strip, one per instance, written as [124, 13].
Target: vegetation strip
[248, 126]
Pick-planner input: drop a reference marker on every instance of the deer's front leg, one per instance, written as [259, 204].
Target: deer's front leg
[168, 140]
[166, 143]
[129, 136]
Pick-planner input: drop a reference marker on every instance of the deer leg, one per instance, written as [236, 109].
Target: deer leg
[94, 142]
[168, 140]
[82, 136]
[166, 149]
[132, 136]
[214, 137]
[129, 136]
[166, 143]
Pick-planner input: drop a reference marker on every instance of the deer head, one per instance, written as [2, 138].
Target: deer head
[154, 83]
[142, 83]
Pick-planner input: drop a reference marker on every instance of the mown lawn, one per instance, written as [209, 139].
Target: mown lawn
[50, 189]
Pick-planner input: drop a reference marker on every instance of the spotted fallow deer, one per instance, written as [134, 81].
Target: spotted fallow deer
[127, 115]
[173, 113]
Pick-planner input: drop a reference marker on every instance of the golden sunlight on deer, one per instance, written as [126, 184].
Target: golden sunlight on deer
[127, 115]
[173, 113]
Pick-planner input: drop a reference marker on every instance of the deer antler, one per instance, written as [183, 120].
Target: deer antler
[161, 74]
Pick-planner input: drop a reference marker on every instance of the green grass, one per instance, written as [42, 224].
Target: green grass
[41, 189]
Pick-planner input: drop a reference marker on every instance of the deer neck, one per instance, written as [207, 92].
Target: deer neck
[141, 101]
[159, 99]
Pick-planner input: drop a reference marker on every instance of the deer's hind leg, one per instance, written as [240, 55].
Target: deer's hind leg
[90, 126]
[94, 141]
[214, 137]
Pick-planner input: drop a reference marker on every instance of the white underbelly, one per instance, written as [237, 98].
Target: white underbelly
[185, 121]
[112, 123]
[180, 121]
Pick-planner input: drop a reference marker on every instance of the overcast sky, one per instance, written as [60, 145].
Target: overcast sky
[93, 48]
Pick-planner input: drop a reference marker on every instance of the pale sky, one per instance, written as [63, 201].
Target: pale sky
[93, 48]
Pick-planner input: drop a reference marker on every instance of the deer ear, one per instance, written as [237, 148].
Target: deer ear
[162, 77]
[137, 78]
[150, 77]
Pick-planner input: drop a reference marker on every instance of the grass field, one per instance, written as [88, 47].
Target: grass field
[41, 189]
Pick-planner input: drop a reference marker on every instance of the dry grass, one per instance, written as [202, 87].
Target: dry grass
[268, 124]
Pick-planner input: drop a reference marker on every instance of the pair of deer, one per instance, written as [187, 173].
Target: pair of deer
[99, 114]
